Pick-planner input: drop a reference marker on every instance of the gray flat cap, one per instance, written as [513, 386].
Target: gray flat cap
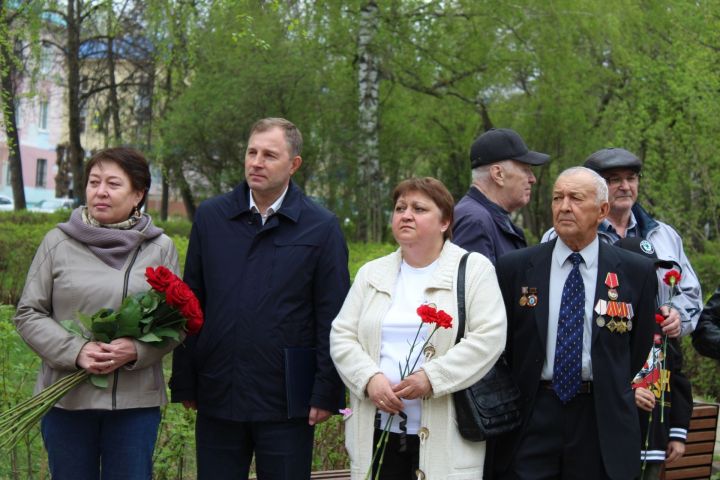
[609, 158]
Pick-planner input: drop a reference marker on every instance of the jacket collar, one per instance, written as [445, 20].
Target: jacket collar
[644, 221]
[290, 208]
[383, 276]
[500, 217]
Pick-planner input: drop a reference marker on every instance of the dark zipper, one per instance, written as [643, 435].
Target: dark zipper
[126, 281]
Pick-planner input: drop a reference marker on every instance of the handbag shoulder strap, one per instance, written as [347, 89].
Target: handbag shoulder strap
[461, 297]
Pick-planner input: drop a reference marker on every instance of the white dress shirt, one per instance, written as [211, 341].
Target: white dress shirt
[559, 270]
[271, 209]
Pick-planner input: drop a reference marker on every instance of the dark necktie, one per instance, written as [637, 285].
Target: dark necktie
[567, 368]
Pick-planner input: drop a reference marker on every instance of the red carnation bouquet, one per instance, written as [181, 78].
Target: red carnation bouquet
[435, 319]
[156, 316]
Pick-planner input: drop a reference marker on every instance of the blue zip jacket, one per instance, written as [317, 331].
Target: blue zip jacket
[262, 288]
[483, 226]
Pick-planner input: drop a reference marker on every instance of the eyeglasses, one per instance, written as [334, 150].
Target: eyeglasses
[616, 180]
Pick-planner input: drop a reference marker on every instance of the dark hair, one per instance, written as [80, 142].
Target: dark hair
[131, 161]
[437, 192]
[293, 137]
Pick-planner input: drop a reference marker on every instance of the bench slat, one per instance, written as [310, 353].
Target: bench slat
[695, 472]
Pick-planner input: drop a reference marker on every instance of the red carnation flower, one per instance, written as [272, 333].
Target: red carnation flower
[427, 313]
[659, 319]
[160, 278]
[672, 278]
[443, 319]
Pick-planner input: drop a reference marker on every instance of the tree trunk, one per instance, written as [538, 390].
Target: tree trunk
[62, 178]
[72, 60]
[370, 215]
[7, 72]
[112, 93]
[187, 196]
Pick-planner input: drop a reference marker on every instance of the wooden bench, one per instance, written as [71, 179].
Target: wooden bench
[325, 475]
[700, 445]
[331, 475]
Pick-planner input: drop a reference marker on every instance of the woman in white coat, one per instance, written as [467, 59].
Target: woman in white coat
[373, 333]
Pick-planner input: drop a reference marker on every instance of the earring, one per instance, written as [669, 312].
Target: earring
[136, 212]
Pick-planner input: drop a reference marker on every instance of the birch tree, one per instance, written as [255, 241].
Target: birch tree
[371, 181]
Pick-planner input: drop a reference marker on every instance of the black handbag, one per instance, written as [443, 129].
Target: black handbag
[490, 407]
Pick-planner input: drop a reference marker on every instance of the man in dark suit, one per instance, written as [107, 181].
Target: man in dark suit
[580, 322]
[269, 267]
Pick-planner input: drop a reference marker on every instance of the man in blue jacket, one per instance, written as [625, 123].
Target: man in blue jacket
[269, 267]
[502, 181]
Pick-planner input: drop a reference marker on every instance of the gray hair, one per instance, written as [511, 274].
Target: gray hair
[601, 188]
[482, 173]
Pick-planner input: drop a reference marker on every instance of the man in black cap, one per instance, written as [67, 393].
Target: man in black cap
[502, 182]
[626, 218]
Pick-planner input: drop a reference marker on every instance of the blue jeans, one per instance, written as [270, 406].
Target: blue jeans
[100, 444]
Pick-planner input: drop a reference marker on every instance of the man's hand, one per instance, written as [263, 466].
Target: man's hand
[672, 325]
[190, 404]
[318, 415]
[644, 399]
[675, 450]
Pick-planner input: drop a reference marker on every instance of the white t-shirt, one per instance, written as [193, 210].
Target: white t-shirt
[400, 326]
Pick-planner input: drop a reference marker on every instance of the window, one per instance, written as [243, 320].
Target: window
[41, 172]
[44, 105]
[46, 59]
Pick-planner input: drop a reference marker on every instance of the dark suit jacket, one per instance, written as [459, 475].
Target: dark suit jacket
[615, 357]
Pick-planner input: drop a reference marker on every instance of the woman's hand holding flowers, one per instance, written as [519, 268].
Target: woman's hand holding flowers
[102, 358]
[381, 393]
[414, 386]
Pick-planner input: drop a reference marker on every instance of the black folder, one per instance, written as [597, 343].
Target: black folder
[300, 365]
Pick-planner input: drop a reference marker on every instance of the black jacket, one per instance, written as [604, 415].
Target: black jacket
[706, 337]
[616, 357]
[262, 288]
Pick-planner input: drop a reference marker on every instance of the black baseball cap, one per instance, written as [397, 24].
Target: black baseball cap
[498, 144]
[609, 158]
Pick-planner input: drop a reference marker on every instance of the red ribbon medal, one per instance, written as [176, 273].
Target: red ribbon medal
[611, 281]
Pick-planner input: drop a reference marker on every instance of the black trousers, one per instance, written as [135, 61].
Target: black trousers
[560, 442]
[397, 465]
[224, 449]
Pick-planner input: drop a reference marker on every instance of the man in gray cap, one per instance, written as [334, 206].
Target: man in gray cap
[502, 180]
[626, 218]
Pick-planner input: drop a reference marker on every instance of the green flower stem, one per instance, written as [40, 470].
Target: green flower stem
[404, 372]
[647, 443]
[19, 420]
[662, 381]
[380, 449]
[417, 359]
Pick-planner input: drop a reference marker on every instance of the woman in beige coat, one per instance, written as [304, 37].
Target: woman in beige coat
[90, 262]
[371, 338]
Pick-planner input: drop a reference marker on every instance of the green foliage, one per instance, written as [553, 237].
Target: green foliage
[706, 263]
[361, 253]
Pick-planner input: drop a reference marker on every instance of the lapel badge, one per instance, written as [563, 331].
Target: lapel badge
[523, 299]
[529, 297]
[532, 298]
